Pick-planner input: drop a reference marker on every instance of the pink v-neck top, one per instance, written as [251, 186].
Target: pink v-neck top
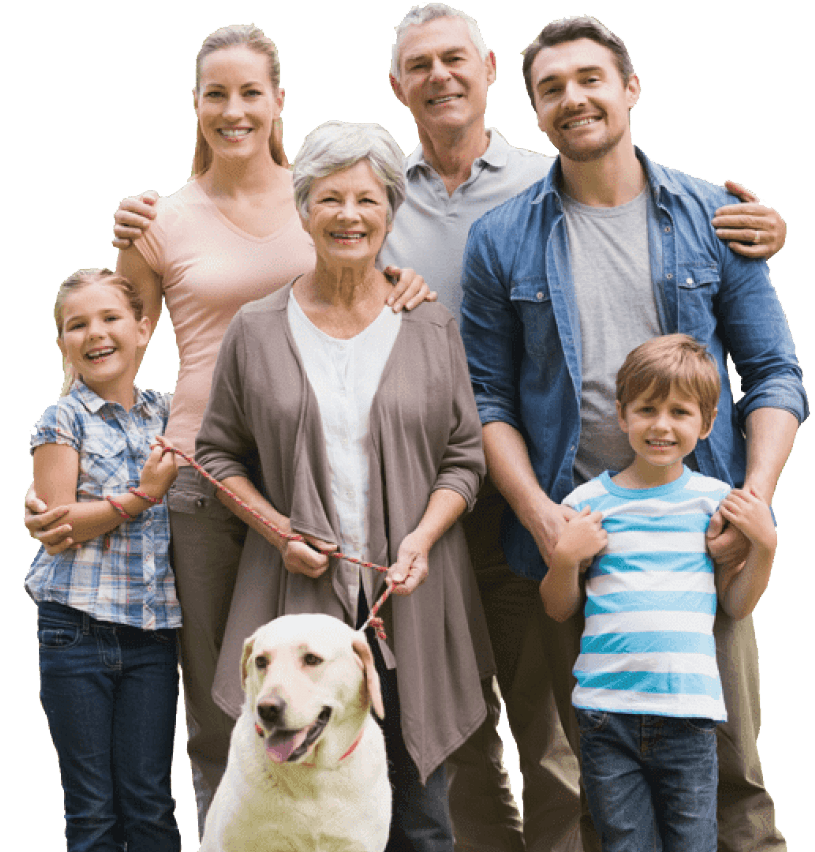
[209, 268]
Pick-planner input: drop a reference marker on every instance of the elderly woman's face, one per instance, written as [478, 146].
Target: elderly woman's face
[348, 215]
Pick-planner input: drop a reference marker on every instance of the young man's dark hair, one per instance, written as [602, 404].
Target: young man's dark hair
[572, 29]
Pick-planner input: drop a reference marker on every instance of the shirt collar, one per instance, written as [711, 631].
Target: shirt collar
[659, 179]
[94, 403]
[496, 155]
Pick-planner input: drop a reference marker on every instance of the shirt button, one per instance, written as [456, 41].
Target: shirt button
[689, 280]
[670, 276]
[667, 229]
[539, 296]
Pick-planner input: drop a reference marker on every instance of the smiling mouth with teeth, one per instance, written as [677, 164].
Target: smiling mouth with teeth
[581, 122]
[99, 353]
[287, 746]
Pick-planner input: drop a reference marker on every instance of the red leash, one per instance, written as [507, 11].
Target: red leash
[373, 619]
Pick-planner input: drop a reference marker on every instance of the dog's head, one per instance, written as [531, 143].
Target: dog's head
[310, 683]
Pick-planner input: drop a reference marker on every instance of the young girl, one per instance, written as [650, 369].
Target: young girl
[108, 608]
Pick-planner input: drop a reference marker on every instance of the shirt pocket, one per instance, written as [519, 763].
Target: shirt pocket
[103, 464]
[532, 300]
[698, 287]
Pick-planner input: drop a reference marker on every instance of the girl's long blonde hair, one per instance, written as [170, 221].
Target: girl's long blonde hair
[246, 35]
[74, 282]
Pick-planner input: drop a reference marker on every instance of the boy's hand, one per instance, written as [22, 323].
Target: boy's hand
[160, 469]
[746, 511]
[582, 538]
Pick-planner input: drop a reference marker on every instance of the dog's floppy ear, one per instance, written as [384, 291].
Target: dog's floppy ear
[370, 691]
[248, 647]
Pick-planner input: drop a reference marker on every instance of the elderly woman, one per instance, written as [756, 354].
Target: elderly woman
[356, 427]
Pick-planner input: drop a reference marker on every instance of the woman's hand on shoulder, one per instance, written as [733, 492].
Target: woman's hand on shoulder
[409, 289]
[411, 567]
[133, 217]
[308, 557]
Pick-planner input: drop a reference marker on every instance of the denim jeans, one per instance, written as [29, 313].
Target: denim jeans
[650, 781]
[420, 819]
[110, 692]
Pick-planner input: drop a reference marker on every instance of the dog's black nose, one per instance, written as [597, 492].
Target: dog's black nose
[271, 712]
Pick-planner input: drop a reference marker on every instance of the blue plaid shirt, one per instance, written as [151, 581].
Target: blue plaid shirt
[125, 576]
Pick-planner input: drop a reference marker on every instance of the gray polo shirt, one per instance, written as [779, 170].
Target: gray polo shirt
[430, 228]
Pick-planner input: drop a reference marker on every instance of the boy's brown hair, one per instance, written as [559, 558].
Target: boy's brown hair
[671, 361]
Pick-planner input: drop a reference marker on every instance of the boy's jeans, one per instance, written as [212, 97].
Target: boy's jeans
[650, 781]
[110, 694]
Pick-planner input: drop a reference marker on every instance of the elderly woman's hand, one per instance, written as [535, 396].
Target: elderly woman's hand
[411, 567]
[307, 557]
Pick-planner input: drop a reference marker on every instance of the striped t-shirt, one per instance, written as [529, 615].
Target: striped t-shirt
[648, 646]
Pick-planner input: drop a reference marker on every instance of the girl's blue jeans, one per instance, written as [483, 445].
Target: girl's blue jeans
[650, 781]
[110, 693]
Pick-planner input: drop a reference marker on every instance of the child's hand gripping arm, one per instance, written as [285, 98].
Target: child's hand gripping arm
[740, 592]
[582, 539]
[56, 470]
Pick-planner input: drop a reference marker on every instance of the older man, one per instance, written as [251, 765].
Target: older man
[442, 70]
[559, 284]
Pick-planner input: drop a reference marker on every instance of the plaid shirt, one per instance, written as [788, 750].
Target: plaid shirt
[125, 576]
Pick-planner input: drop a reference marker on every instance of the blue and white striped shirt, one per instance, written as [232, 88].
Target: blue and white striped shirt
[124, 577]
[648, 646]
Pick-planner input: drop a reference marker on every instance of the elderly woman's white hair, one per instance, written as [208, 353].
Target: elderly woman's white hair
[422, 15]
[338, 145]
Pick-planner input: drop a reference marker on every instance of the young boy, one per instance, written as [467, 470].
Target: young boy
[648, 694]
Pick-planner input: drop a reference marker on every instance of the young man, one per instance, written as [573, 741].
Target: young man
[441, 71]
[559, 284]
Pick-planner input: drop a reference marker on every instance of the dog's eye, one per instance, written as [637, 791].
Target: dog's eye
[261, 662]
[312, 660]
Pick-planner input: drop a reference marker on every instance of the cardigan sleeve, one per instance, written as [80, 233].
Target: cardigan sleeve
[462, 468]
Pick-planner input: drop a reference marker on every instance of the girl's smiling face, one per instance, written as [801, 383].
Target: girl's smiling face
[101, 337]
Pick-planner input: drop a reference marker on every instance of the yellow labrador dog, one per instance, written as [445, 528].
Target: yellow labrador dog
[307, 770]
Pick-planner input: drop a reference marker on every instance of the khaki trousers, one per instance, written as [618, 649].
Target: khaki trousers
[207, 540]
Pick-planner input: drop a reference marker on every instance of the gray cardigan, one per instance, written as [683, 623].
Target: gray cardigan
[263, 422]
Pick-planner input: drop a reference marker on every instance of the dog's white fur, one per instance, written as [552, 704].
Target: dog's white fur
[325, 800]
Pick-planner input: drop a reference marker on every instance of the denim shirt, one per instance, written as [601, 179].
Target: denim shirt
[521, 328]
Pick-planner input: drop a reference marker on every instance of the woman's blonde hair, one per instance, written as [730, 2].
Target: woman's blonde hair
[79, 279]
[245, 35]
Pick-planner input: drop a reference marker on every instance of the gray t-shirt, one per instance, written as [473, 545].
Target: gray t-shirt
[430, 228]
[618, 311]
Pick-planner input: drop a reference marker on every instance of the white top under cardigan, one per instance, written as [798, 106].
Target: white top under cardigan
[344, 375]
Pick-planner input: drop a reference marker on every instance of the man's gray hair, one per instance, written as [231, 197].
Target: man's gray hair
[421, 15]
[338, 145]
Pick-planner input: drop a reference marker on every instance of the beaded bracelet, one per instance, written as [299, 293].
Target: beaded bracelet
[151, 500]
[120, 509]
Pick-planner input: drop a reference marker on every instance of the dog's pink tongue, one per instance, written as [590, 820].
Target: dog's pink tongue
[280, 752]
